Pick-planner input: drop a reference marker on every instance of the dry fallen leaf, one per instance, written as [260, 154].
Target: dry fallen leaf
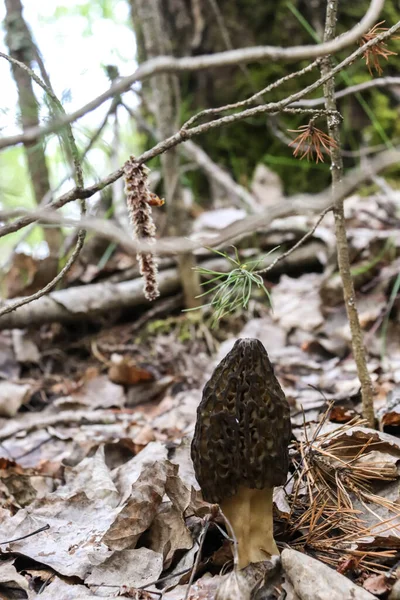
[168, 533]
[139, 511]
[95, 392]
[297, 303]
[313, 580]
[132, 568]
[12, 584]
[379, 585]
[18, 481]
[125, 371]
[61, 590]
[12, 397]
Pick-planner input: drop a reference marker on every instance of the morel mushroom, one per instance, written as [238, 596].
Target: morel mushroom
[240, 446]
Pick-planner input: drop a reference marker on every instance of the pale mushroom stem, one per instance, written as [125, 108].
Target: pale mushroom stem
[250, 515]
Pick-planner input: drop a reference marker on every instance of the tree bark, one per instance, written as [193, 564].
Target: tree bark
[21, 47]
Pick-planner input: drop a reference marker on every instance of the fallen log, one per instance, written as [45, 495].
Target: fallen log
[88, 301]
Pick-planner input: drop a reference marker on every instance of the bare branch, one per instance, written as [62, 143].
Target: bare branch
[219, 175]
[202, 159]
[50, 286]
[107, 297]
[381, 82]
[253, 99]
[343, 254]
[60, 108]
[162, 147]
[79, 182]
[302, 204]
[301, 241]
[168, 64]
[183, 135]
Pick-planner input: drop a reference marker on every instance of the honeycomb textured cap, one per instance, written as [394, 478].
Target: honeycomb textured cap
[243, 425]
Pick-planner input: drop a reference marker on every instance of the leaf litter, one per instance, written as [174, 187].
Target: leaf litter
[96, 483]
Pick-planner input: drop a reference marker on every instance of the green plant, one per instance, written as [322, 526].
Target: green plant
[231, 290]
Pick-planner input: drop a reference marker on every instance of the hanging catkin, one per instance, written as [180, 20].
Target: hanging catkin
[139, 199]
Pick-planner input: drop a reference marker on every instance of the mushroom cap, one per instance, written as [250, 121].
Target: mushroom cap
[243, 425]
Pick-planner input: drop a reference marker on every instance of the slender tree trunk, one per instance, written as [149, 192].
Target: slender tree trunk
[164, 101]
[340, 228]
[21, 46]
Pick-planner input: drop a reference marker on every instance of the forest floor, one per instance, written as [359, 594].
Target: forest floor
[98, 493]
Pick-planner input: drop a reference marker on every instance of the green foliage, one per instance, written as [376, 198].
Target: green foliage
[101, 9]
[16, 192]
[232, 290]
[370, 118]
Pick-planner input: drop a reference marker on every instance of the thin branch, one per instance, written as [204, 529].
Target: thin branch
[168, 64]
[165, 578]
[99, 130]
[28, 535]
[301, 204]
[79, 182]
[312, 111]
[219, 175]
[48, 90]
[301, 241]
[252, 99]
[381, 82]
[343, 255]
[183, 135]
[202, 160]
[47, 288]
[197, 561]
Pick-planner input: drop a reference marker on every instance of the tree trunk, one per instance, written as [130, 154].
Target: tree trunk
[21, 47]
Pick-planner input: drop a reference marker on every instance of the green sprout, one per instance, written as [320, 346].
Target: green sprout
[231, 290]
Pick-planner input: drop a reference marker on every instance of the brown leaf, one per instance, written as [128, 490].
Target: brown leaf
[168, 533]
[21, 275]
[95, 392]
[204, 588]
[133, 568]
[297, 303]
[73, 539]
[144, 437]
[341, 414]
[139, 511]
[312, 140]
[379, 584]
[308, 574]
[379, 50]
[127, 372]
[17, 480]
[59, 588]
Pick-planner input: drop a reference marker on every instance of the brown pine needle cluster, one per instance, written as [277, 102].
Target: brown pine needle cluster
[139, 201]
[334, 508]
[311, 141]
[379, 50]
